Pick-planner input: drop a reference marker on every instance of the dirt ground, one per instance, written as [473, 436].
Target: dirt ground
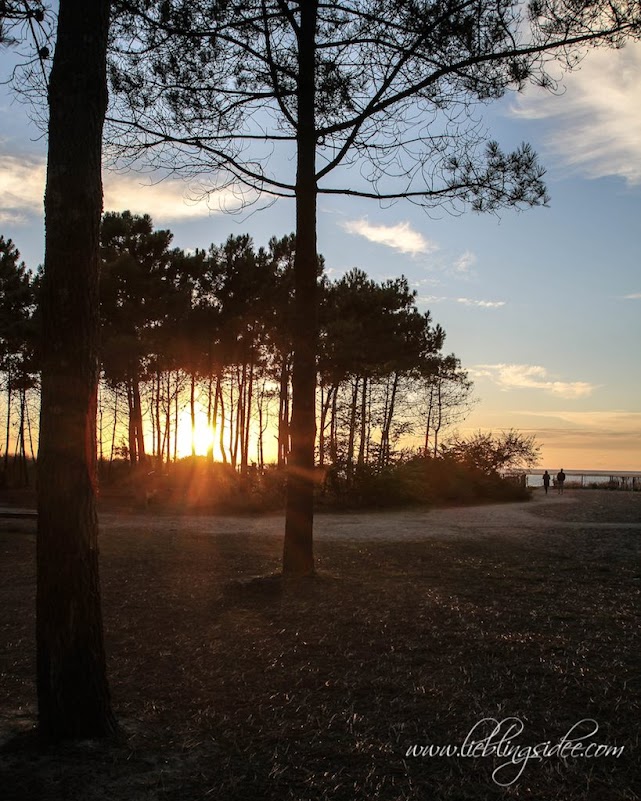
[573, 509]
[231, 684]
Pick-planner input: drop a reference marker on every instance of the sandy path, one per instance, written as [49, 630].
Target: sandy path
[491, 519]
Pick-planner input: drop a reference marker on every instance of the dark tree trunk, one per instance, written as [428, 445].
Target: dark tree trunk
[364, 422]
[283, 414]
[387, 426]
[159, 451]
[8, 432]
[352, 427]
[192, 412]
[175, 399]
[138, 430]
[131, 431]
[211, 420]
[298, 551]
[333, 428]
[325, 406]
[248, 411]
[73, 694]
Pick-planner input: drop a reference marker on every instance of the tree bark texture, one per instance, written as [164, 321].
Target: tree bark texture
[73, 693]
[298, 552]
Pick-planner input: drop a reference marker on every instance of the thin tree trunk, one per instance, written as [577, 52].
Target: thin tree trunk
[192, 413]
[176, 416]
[361, 447]
[30, 435]
[387, 425]
[211, 421]
[333, 428]
[283, 414]
[232, 454]
[23, 452]
[113, 434]
[428, 424]
[159, 450]
[167, 436]
[133, 440]
[248, 410]
[325, 405]
[439, 412]
[138, 425]
[73, 693]
[298, 550]
[352, 426]
[240, 415]
[8, 437]
[261, 430]
[221, 433]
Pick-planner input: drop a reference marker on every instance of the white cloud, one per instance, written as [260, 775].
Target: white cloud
[482, 304]
[400, 237]
[526, 376]
[597, 120]
[479, 304]
[22, 181]
[633, 296]
[465, 262]
[167, 200]
[430, 299]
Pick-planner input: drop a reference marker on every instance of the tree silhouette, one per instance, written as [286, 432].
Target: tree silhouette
[17, 340]
[73, 694]
[136, 289]
[387, 87]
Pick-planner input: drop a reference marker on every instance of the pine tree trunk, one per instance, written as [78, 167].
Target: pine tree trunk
[177, 392]
[221, 433]
[73, 694]
[352, 428]
[363, 440]
[192, 413]
[333, 428]
[8, 437]
[211, 420]
[138, 429]
[298, 551]
[159, 449]
[248, 411]
[283, 414]
[325, 405]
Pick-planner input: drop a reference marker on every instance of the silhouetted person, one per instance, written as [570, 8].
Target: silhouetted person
[560, 480]
[546, 481]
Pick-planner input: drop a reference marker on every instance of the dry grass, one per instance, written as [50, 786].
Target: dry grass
[232, 687]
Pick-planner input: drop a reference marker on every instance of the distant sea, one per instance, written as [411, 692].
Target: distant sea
[587, 477]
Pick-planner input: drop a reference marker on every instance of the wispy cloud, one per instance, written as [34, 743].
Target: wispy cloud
[465, 262]
[22, 181]
[611, 421]
[400, 237]
[597, 121]
[633, 296]
[527, 376]
[481, 304]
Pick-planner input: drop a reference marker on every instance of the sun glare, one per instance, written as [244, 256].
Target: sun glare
[203, 436]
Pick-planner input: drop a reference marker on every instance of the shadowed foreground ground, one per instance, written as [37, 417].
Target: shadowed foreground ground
[232, 688]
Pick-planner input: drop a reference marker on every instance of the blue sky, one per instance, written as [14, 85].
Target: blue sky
[543, 307]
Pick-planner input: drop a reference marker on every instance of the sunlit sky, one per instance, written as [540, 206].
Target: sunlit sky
[543, 307]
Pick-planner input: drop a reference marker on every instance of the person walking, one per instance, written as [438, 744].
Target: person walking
[546, 481]
[560, 480]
